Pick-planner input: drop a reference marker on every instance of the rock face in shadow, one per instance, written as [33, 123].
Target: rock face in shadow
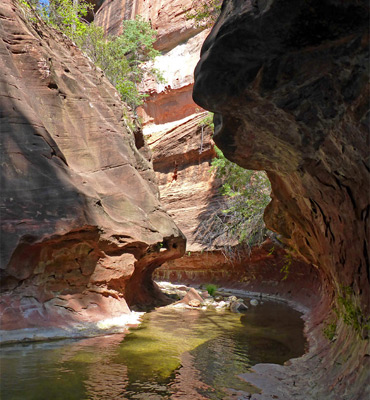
[287, 81]
[261, 272]
[82, 226]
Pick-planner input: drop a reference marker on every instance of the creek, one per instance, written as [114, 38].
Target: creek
[174, 354]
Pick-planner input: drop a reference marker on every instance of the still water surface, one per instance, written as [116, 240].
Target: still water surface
[173, 354]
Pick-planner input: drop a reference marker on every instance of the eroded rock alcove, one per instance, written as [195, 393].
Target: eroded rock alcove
[287, 81]
[82, 226]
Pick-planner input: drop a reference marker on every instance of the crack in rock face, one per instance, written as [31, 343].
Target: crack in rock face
[288, 83]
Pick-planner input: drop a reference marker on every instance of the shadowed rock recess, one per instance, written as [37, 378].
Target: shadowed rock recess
[82, 228]
[287, 81]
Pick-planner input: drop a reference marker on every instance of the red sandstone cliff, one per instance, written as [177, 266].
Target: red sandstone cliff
[288, 83]
[182, 153]
[168, 18]
[82, 226]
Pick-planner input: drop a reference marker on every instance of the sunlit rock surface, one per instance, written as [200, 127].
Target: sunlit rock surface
[172, 100]
[181, 159]
[168, 18]
[288, 83]
[182, 154]
[82, 226]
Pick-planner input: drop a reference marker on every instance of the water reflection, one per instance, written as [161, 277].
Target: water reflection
[177, 355]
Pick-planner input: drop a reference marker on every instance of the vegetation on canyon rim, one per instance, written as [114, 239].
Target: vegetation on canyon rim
[204, 12]
[124, 59]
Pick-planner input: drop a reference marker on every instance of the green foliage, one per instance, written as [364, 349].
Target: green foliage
[29, 9]
[285, 269]
[67, 16]
[207, 121]
[351, 314]
[330, 330]
[122, 58]
[204, 12]
[238, 221]
[211, 289]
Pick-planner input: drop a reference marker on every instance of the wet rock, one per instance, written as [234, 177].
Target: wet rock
[238, 306]
[254, 302]
[288, 99]
[221, 304]
[194, 303]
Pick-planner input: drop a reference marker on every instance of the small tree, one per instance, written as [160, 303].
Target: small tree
[204, 12]
[237, 223]
[135, 45]
[67, 16]
[122, 58]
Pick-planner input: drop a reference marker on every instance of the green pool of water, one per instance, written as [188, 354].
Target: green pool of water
[173, 354]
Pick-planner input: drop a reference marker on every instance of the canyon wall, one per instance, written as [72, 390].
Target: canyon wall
[287, 81]
[82, 227]
[183, 149]
[168, 18]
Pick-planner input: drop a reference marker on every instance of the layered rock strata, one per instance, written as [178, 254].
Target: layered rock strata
[287, 81]
[168, 18]
[182, 154]
[268, 270]
[172, 123]
[181, 159]
[82, 226]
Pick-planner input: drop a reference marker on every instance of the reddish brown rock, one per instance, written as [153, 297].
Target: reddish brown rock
[288, 83]
[172, 100]
[181, 158]
[262, 272]
[82, 227]
[192, 298]
[168, 18]
[168, 105]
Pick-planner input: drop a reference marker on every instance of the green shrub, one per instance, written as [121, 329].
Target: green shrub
[211, 289]
[204, 12]
[122, 58]
[330, 330]
[237, 223]
[352, 314]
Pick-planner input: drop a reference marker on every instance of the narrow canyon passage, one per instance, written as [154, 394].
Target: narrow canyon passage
[174, 354]
[107, 203]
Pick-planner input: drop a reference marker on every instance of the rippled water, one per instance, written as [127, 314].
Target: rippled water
[173, 354]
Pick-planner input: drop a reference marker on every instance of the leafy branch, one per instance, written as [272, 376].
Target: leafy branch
[236, 223]
[124, 58]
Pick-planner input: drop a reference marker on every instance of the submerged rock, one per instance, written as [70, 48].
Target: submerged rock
[194, 303]
[238, 306]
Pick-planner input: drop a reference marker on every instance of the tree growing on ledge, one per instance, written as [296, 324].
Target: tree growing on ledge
[122, 58]
[237, 224]
[204, 12]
